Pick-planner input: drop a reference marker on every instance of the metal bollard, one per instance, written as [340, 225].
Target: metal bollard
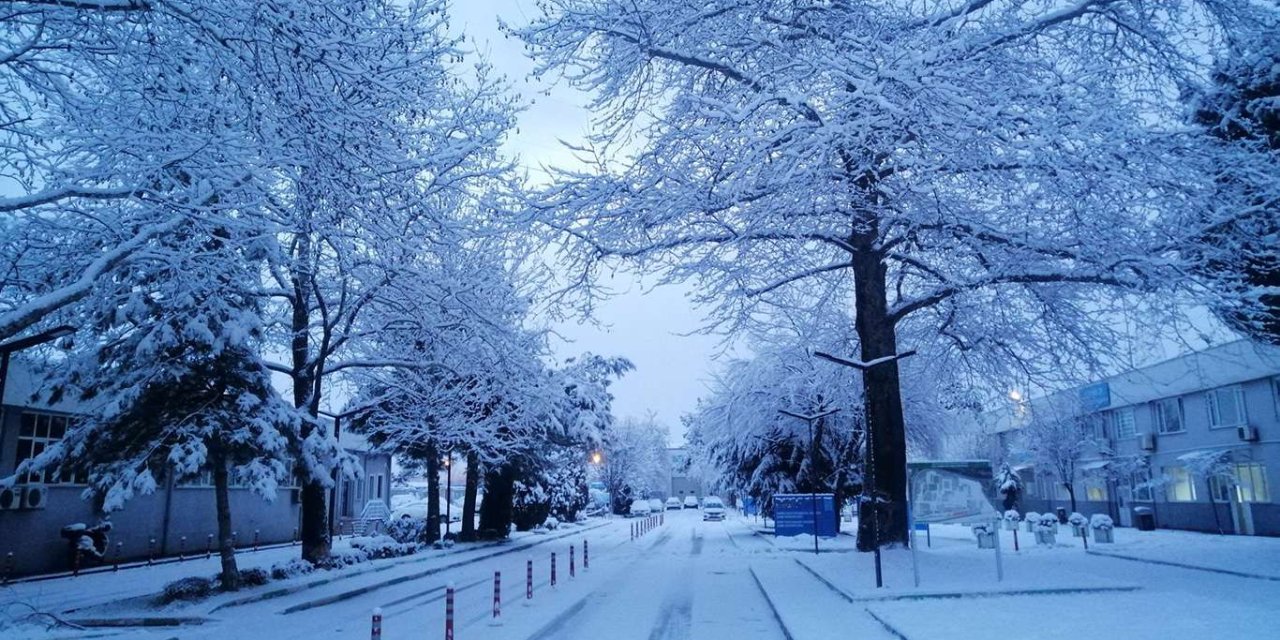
[585, 557]
[255, 539]
[208, 546]
[182, 548]
[497, 594]
[553, 568]
[119, 549]
[448, 612]
[295, 535]
[8, 567]
[572, 573]
[234, 535]
[75, 561]
[151, 551]
[528, 580]
[376, 633]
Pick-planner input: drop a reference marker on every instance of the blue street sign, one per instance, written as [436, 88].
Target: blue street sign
[793, 514]
[1095, 396]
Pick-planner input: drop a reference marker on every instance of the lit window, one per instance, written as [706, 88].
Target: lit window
[1096, 491]
[1168, 415]
[1181, 486]
[1226, 407]
[1142, 486]
[1124, 423]
[1248, 481]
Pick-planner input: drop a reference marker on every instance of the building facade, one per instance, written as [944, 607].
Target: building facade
[1193, 441]
[683, 482]
[178, 518]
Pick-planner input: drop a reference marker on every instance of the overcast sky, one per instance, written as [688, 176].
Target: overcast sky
[641, 323]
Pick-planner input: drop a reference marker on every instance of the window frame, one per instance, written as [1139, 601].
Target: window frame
[1158, 414]
[1115, 423]
[38, 440]
[1174, 483]
[1256, 486]
[1213, 409]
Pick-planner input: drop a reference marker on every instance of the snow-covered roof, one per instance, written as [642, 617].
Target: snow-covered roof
[25, 381]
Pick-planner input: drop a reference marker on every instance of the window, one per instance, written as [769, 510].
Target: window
[1095, 490]
[1181, 486]
[38, 432]
[1248, 480]
[1094, 426]
[375, 486]
[1226, 407]
[1124, 426]
[1167, 414]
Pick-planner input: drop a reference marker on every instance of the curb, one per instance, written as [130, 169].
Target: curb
[777, 617]
[140, 622]
[887, 627]
[1169, 563]
[359, 591]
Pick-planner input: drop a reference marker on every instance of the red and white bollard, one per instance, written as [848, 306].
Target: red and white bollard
[497, 598]
[528, 581]
[553, 568]
[448, 612]
[376, 633]
[572, 572]
[585, 557]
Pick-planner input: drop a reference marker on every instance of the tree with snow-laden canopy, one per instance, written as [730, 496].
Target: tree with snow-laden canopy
[983, 175]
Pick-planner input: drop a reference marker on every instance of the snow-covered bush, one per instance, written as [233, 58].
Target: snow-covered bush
[376, 547]
[1031, 516]
[1012, 516]
[1047, 522]
[254, 577]
[188, 590]
[1101, 521]
[1077, 519]
[551, 523]
[407, 530]
[983, 528]
[292, 568]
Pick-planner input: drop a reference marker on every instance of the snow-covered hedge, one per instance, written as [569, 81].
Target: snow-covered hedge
[1101, 521]
[376, 547]
[188, 590]
[291, 569]
[983, 528]
[1047, 522]
[407, 530]
[1077, 519]
[1031, 516]
[1012, 516]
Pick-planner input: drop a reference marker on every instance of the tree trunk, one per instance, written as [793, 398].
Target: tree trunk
[499, 494]
[433, 493]
[315, 523]
[886, 475]
[472, 487]
[1071, 493]
[230, 575]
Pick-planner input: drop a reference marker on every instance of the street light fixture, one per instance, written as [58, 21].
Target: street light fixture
[18, 344]
[809, 419]
[868, 460]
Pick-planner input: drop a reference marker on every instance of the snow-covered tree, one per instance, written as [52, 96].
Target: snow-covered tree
[979, 176]
[633, 463]
[1057, 436]
[1009, 486]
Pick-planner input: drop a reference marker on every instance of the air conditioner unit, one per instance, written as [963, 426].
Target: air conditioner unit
[11, 497]
[1147, 441]
[1248, 434]
[36, 496]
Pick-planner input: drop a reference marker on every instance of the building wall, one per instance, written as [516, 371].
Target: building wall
[1255, 369]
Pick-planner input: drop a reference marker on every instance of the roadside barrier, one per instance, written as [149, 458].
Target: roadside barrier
[572, 573]
[376, 632]
[448, 612]
[584, 555]
[528, 580]
[553, 569]
[497, 594]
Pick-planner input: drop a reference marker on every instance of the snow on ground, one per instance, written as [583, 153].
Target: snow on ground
[695, 579]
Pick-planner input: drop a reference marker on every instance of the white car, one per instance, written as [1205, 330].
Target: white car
[417, 510]
[655, 505]
[640, 507]
[673, 503]
[690, 502]
[712, 508]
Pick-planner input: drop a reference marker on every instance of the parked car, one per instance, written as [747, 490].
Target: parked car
[712, 508]
[655, 505]
[640, 507]
[417, 509]
[673, 503]
[690, 502]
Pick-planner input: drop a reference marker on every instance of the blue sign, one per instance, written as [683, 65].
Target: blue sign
[749, 507]
[1095, 396]
[793, 514]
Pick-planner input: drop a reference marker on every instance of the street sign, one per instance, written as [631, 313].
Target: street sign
[793, 514]
[959, 491]
[1095, 397]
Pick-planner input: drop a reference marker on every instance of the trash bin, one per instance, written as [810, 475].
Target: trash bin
[1144, 518]
[1062, 515]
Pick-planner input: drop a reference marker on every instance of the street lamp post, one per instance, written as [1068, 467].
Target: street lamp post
[18, 344]
[869, 486]
[809, 419]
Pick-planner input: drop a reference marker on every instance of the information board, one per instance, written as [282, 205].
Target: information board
[952, 492]
[793, 514]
